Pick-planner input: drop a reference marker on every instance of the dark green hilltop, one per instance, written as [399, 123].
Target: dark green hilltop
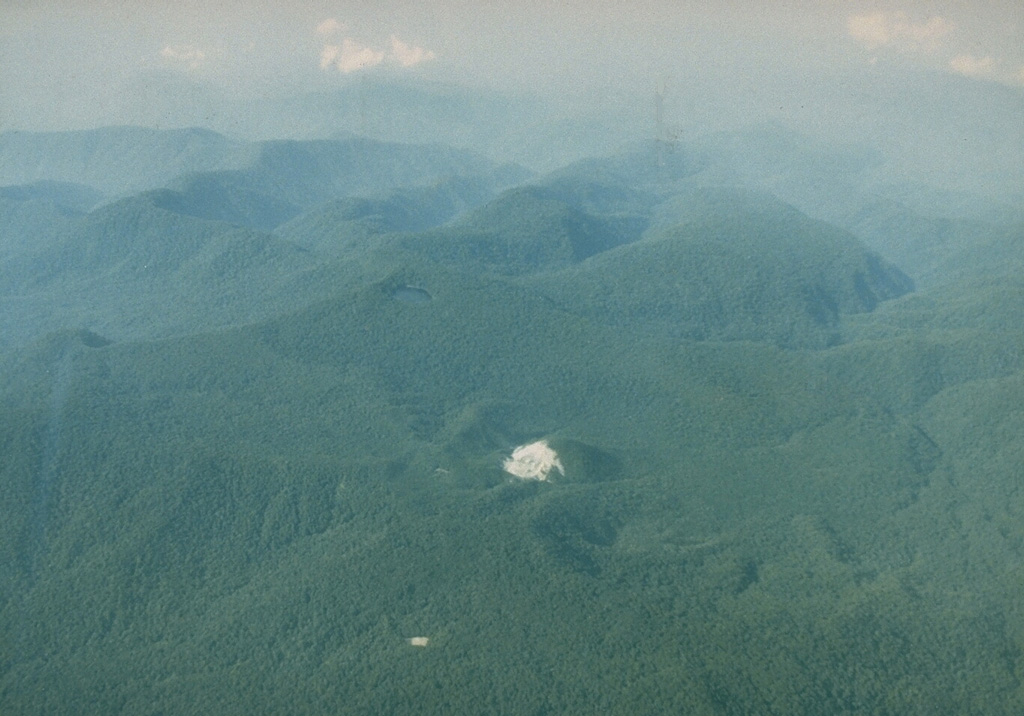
[255, 399]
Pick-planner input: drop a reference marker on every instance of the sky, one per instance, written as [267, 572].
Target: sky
[81, 63]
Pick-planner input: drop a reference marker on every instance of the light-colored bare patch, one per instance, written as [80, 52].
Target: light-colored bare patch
[533, 462]
[419, 640]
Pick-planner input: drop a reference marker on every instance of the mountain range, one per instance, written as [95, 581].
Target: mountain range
[256, 398]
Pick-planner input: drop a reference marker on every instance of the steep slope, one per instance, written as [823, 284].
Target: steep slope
[524, 230]
[735, 267]
[336, 226]
[132, 269]
[220, 197]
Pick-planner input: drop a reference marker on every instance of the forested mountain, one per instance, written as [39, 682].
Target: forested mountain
[128, 267]
[257, 399]
[121, 160]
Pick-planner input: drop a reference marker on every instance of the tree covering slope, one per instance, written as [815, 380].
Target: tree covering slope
[791, 482]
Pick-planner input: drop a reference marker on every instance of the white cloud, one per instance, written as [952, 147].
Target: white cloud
[183, 55]
[350, 56]
[872, 31]
[971, 66]
[329, 27]
[409, 56]
[987, 68]
[896, 30]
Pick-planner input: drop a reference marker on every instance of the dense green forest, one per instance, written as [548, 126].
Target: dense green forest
[255, 399]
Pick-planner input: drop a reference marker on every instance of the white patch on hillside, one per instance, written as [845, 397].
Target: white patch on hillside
[533, 462]
[419, 640]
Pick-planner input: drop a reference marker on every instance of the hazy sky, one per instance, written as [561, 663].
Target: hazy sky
[70, 63]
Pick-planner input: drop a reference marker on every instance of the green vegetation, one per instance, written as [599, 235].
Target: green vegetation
[792, 485]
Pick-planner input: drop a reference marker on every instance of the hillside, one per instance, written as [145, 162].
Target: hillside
[744, 277]
[202, 240]
[336, 226]
[254, 422]
[132, 269]
[346, 469]
[524, 230]
[705, 263]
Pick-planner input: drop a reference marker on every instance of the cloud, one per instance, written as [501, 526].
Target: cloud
[895, 31]
[971, 66]
[880, 29]
[183, 55]
[328, 56]
[872, 31]
[330, 27]
[409, 56]
[349, 56]
[987, 68]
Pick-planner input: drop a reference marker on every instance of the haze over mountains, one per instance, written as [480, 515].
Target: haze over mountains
[262, 363]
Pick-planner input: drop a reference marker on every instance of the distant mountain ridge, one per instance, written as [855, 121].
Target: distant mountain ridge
[124, 160]
[116, 160]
